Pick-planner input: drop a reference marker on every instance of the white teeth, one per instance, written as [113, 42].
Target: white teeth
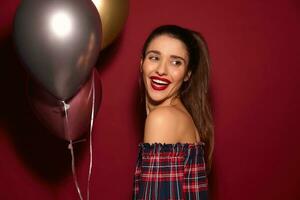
[160, 82]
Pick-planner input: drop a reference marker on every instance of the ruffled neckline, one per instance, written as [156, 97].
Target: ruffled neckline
[166, 147]
[169, 145]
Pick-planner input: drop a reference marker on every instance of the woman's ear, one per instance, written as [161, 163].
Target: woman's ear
[141, 64]
[187, 76]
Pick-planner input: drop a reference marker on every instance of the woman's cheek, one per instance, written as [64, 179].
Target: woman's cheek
[177, 74]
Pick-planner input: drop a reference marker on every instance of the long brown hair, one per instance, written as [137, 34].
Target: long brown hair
[194, 92]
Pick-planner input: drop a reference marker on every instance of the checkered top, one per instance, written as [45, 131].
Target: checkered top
[170, 171]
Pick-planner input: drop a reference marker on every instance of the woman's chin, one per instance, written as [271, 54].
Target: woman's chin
[156, 99]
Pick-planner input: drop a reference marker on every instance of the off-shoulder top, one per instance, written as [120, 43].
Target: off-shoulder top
[170, 171]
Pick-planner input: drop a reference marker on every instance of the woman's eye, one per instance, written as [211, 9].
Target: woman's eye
[153, 58]
[176, 62]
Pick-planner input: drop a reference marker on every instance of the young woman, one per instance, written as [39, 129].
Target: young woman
[178, 138]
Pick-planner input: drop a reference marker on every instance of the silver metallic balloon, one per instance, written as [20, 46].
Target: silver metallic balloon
[58, 41]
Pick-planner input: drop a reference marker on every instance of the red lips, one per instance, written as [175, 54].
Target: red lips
[158, 83]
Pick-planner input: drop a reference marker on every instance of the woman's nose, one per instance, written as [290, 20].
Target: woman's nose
[161, 68]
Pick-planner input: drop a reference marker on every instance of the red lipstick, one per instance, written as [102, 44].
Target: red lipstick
[158, 83]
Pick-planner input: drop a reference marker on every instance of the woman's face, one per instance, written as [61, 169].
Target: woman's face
[164, 68]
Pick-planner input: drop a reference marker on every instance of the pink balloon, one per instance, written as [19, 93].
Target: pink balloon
[51, 111]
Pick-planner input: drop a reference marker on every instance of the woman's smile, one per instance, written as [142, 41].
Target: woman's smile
[158, 83]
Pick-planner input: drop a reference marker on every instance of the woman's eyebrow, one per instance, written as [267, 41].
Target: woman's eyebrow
[172, 56]
[153, 51]
[178, 57]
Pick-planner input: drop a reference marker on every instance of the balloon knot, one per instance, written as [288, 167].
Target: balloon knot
[65, 105]
[70, 146]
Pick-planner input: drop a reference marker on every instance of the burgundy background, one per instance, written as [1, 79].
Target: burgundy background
[255, 87]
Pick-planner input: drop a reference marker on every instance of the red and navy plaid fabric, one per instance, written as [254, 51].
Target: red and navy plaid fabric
[170, 172]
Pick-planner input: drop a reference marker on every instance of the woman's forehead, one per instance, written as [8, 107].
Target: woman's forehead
[168, 45]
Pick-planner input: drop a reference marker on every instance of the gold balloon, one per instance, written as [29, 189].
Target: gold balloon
[113, 14]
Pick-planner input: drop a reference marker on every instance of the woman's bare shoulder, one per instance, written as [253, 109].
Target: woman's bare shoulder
[168, 125]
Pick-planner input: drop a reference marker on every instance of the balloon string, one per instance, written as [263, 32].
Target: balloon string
[91, 147]
[70, 146]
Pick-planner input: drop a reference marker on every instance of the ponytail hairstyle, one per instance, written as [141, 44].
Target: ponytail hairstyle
[193, 92]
